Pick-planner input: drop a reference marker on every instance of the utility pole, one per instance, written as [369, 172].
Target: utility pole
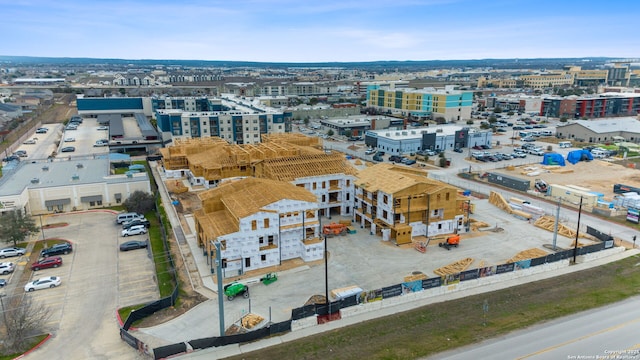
[218, 245]
[326, 275]
[555, 226]
[575, 248]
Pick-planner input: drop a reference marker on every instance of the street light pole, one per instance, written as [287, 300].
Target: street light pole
[326, 275]
[41, 227]
[575, 248]
[218, 262]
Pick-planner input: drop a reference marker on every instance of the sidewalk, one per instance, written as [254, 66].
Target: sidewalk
[233, 350]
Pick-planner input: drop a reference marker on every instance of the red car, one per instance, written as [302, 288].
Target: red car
[49, 262]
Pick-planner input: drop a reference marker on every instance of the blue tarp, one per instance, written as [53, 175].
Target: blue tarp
[579, 155]
[553, 159]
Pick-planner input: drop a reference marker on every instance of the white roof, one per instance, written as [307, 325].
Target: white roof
[608, 125]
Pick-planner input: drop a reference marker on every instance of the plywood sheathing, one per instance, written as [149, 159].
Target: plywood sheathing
[527, 254]
[250, 321]
[225, 205]
[291, 168]
[455, 267]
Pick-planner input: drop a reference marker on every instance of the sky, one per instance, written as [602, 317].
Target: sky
[320, 31]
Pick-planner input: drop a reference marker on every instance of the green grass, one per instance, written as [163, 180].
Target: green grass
[34, 341]
[431, 329]
[125, 311]
[164, 273]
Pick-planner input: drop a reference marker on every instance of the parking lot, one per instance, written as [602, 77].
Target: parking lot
[96, 280]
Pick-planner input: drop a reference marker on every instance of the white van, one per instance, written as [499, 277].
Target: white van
[124, 217]
[564, 144]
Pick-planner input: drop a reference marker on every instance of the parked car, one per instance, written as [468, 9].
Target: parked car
[138, 221]
[11, 158]
[458, 150]
[370, 151]
[50, 262]
[103, 128]
[20, 153]
[381, 153]
[70, 139]
[57, 249]
[41, 130]
[133, 245]
[126, 217]
[11, 251]
[410, 162]
[519, 154]
[100, 143]
[30, 141]
[134, 230]
[68, 149]
[7, 267]
[3, 282]
[393, 158]
[43, 283]
[72, 126]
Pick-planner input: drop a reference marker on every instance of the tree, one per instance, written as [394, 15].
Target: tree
[122, 91]
[348, 133]
[330, 132]
[140, 202]
[564, 119]
[23, 318]
[492, 119]
[497, 110]
[15, 226]
[306, 121]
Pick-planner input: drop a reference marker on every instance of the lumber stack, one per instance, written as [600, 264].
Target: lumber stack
[548, 223]
[454, 268]
[527, 254]
[497, 200]
[249, 321]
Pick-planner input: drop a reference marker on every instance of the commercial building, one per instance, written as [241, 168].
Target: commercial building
[258, 228]
[601, 130]
[444, 137]
[399, 203]
[450, 104]
[62, 186]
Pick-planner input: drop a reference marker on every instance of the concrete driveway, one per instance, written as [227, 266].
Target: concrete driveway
[83, 308]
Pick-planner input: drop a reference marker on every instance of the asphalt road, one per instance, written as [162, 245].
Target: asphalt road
[610, 332]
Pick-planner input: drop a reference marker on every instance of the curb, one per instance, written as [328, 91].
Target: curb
[121, 323]
[34, 348]
[85, 211]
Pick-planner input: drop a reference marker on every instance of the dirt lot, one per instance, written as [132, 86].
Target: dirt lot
[597, 175]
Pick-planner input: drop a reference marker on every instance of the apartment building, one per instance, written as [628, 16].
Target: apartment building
[256, 228]
[399, 203]
[592, 106]
[452, 105]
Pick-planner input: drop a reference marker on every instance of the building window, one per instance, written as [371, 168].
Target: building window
[247, 262]
[271, 238]
[254, 224]
[261, 240]
[266, 223]
[263, 257]
[446, 197]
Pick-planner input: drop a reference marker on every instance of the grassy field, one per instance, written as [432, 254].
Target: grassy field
[445, 326]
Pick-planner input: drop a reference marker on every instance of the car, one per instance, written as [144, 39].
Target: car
[393, 158]
[49, 262]
[518, 128]
[410, 162]
[11, 251]
[72, 127]
[11, 158]
[528, 139]
[41, 130]
[3, 282]
[134, 230]
[20, 153]
[377, 158]
[7, 268]
[519, 154]
[370, 152]
[133, 245]
[68, 149]
[70, 139]
[381, 153]
[57, 249]
[100, 143]
[30, 141]
[139, 221]
[43, 283]
[458, 150]
[103, 128]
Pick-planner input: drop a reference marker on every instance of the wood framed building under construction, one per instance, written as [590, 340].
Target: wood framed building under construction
[259, 223]
[399, 203]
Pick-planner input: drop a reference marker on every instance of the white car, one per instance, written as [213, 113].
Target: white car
[43, 283]
[30, 141]
[134, 230]
[7, 267]
[103, 128]
[69, 139]
[11, 251]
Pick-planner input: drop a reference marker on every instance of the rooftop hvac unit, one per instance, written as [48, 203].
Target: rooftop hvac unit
[79, 166]
[35, 180]
[75, 177]
[45, 168]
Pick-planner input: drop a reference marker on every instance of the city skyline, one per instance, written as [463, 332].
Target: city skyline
[330, 31]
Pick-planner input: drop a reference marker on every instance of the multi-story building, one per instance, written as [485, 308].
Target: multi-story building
[258, 228]
[592, 106]
[400, 203]
[452, 105]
